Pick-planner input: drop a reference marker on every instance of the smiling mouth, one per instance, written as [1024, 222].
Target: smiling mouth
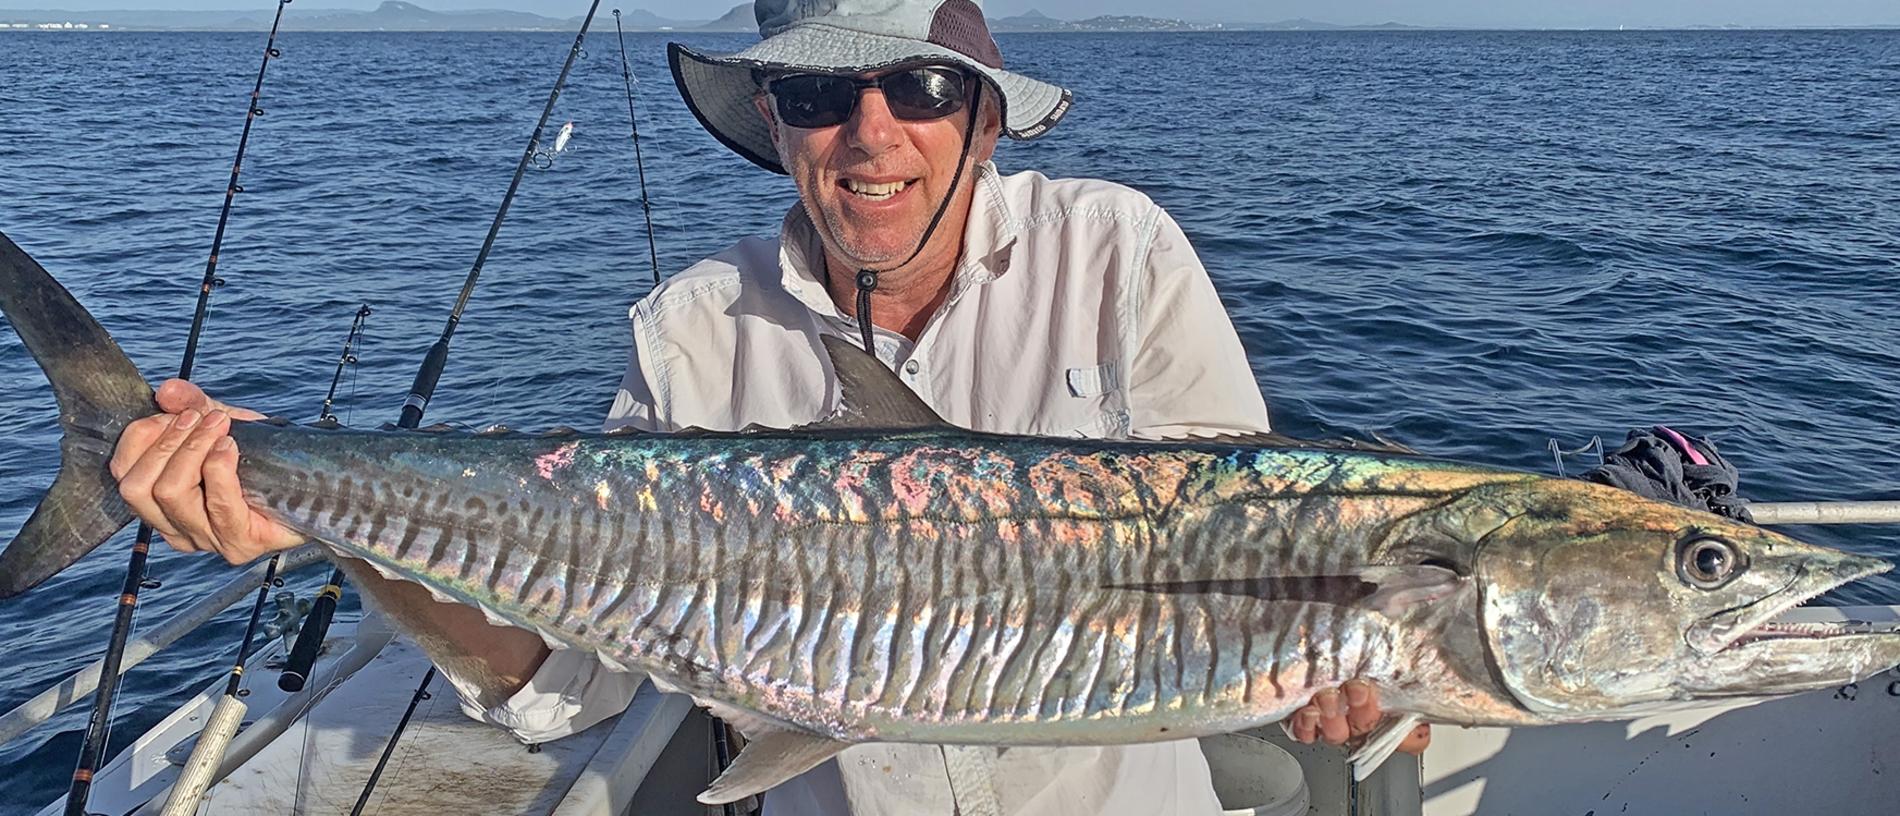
[875, 191]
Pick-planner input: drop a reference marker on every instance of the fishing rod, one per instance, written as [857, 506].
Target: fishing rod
[432, 364]
[316, 625]
[646, 204]
[215, 738]
[99, 727]
[423, 388]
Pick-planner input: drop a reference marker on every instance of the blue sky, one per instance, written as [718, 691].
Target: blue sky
[1510, 13]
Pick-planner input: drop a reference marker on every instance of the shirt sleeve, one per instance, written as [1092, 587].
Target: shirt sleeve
[571, 692]
[1188, 374]
[635, 405]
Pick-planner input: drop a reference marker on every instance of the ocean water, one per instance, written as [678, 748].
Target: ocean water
[1470, 242]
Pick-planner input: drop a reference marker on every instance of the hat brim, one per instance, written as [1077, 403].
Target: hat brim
[719, 89]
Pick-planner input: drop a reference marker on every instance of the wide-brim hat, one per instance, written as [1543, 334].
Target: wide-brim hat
[852, 37]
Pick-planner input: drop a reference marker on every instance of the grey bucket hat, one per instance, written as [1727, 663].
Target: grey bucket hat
[850, 37]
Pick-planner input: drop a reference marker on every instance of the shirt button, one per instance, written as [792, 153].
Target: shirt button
[912, 367]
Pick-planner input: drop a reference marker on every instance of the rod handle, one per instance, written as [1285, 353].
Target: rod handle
[424, 387]
[310, 639]
[206, 756]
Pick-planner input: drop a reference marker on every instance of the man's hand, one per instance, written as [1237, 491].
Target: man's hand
[178, 471]
[1348, 712]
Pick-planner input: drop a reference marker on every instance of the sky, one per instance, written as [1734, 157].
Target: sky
[1476, 13]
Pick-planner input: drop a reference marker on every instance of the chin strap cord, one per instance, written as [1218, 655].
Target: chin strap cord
[867, 281]
[867, 278]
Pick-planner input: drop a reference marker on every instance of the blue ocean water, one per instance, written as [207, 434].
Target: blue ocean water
[1470, 242]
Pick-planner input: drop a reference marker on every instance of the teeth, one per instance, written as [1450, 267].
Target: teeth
[875, 191]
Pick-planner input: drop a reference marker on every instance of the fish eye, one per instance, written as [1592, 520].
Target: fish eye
[1706, 562]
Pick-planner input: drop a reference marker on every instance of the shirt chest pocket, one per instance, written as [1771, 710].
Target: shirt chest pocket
[1093, 403]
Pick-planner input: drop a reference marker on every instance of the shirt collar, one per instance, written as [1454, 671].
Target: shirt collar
[988, 237]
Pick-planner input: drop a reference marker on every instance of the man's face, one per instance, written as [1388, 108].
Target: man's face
[872, 183]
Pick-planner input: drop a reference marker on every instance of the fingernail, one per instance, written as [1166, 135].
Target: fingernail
[1328, 703]
[186, 420]
[223, 444]
[216, 417]
[1356, 694]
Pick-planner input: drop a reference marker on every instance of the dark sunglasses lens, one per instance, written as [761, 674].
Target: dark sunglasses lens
[924, 93]
[814, 101]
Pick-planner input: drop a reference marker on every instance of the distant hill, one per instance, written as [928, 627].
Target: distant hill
[1031, 20]
[740, 18]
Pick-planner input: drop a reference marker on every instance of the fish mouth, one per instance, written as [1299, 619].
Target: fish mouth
[1777, 646]
[1765, 619]
[1813, 631]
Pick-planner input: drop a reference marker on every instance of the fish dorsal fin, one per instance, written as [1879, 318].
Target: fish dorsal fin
[769, 758]
[1270, 439]
[870, 396]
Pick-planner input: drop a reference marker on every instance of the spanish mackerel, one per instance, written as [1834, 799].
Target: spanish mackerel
[884, 577]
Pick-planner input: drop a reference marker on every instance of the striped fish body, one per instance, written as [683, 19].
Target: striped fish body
[886, 577]
[936, 587]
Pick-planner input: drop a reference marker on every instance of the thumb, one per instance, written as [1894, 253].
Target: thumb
[178, 396]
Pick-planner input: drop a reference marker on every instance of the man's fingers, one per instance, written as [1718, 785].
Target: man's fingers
[245, 533]
[135, 484]
[178, 488]
[135, 440]
[1334, 729]
[1362, 711]
[1306, 724]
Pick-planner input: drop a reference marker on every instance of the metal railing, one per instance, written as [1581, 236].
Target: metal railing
[85, 681]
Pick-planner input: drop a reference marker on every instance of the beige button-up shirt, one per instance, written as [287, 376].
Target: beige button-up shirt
[1078, 309]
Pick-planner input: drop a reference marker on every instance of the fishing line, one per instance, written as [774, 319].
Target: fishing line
[98, 729]
[432, 364]
[639, 161]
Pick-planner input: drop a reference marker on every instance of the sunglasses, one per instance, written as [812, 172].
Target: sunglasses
[822, 100]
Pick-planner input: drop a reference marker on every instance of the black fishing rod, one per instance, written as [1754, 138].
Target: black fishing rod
[99, 728]
[423, 388]
[433, 363]
[316, 623]
[639, 161]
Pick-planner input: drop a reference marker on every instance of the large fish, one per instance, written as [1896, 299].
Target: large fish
[885, 577]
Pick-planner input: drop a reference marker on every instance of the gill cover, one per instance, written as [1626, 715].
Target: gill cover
[99, 393]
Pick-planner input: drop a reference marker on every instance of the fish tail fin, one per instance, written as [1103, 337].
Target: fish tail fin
[100, 391]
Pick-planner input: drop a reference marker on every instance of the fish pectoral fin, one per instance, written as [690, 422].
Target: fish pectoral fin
[870, 396]
[1399, 588]
[1380, 744]
[769, 758]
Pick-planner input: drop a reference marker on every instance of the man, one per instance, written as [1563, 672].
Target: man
[1015, 304]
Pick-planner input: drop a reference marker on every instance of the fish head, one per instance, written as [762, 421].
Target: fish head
[1598, 604]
